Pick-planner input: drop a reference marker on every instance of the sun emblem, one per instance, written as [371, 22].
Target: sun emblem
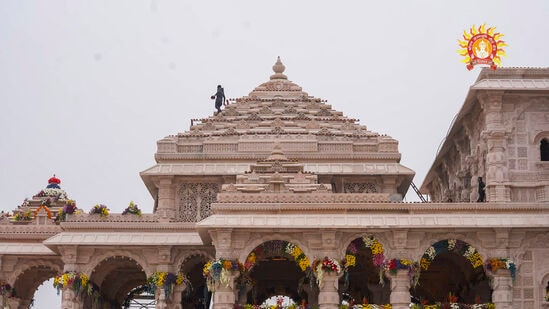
[482, 46]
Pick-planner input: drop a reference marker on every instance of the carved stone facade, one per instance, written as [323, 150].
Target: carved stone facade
[497, 135]
[283, 183]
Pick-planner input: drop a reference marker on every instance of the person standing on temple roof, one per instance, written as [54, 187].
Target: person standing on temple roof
[481, 190]
[219, 97]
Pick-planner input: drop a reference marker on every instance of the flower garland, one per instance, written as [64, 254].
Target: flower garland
[326, 265]
[277, 248]
[393, 265]
[300, 258]
[368, 306]
[166, 281]
[6, 290]
[217, 271]
[23, 216]
[75, 280]
[451, 245]
[369, 242]
[454, 305]
[494, 264]
[132, 209]
[56, 193]
[101, 210]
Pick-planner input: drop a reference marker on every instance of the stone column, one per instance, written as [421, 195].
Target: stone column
[328, 297]
[502, 284]
[400, 289]
[224, 293]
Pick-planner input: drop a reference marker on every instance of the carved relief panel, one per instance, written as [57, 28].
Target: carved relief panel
[194, 200]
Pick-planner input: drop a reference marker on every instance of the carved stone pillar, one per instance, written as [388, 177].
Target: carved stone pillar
[328, 297]
[502, 284]
[166, 198]
[400, 290]
[161, 301]
[69, 299]
[12, 303]
[496, 142]
[224, 293]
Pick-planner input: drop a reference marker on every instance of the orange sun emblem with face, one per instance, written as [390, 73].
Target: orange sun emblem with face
[482, 46]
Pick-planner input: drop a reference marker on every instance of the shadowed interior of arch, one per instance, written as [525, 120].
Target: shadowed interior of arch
[116, 277]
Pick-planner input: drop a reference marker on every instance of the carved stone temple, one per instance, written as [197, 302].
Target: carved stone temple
[281, 200]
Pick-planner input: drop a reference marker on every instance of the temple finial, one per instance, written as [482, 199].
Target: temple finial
[279, 68]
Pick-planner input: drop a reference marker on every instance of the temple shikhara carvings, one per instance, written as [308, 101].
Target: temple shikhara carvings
[279, 200]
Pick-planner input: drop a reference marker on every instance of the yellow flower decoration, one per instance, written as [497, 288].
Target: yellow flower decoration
[251, 257]
[350, 260]
[206, 268]
[65, 279]
[84, 279]
[179, 279]
[304, 263]
[424, 263]
[376, 248]
[296, 252]
[161, 278]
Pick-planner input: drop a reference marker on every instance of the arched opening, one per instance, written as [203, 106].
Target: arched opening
[197, 295]
[451, 271]
[544, 149]
[29, 281]
[115, 278]
[363, 282]
[276, 269]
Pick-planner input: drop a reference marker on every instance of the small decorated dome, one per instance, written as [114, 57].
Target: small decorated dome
[54, 182]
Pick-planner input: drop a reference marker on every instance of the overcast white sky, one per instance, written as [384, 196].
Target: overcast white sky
[88, 87]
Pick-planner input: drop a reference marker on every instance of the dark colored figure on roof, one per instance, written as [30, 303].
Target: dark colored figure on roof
[481, 190]
[219, 97]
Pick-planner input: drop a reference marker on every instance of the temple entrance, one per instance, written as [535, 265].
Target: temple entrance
[363, 283]
[197, 295]
[452, 272]
[115, 277]
[276, 272]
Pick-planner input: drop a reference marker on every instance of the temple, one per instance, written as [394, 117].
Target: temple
[280, 201]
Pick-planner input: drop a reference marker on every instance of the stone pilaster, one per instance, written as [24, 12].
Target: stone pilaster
[400, 290]
[328, 297]
[496, 142]
[166, 199]
[502, 284]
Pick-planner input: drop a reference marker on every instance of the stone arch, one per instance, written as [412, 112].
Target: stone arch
[543, 289]
[29, 275]
[252, 244]
[452, 266]
[184, 256]
[98, 258]
[22, 267]
[191, 264]
[364, 279]
[348, 242]
[275, 267]
[116, 273]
